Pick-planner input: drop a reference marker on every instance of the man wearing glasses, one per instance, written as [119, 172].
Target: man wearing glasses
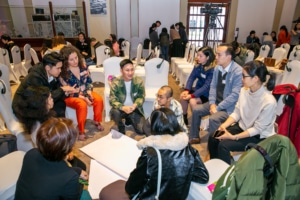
[223, 94]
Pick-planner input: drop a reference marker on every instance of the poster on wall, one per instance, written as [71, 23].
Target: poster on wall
[98, 7]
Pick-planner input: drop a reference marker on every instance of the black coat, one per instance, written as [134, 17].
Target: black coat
[181, 164]
[37, 76]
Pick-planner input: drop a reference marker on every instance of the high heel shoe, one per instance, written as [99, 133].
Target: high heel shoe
[99, 126]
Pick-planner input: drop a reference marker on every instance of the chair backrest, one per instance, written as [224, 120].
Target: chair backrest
[287, 47]
[26, 49]
[139, 54]
[291, 73]
[186, 52]
[250, 56]
[264, 51]
[297, 47]
[102, 53]
[16, 54]
[126, 48]
[279, 54]
[294, 55]
[156, 71]
[150, 48]
[111, 67]
[4, 57]
[192, 51]
[34, 56]
[12, 124]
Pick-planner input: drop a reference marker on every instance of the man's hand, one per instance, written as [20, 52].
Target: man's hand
[213, 108]
[129, 109]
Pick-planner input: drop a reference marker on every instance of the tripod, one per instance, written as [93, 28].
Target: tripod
[212, 33]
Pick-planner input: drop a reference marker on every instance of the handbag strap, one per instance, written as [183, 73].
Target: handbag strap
[158, 172]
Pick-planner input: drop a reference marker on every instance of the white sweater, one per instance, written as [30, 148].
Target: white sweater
[255, 112]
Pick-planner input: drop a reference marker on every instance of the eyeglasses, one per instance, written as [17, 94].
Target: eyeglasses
[244, 76]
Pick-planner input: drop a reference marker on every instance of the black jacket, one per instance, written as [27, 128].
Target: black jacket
[181, 164]
[84, 47]
[37, 76]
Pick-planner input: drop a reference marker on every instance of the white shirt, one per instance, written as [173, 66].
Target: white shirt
[128, 101]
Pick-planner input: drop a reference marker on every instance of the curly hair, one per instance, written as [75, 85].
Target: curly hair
[56, 138]
[33, 107]
[66, 52]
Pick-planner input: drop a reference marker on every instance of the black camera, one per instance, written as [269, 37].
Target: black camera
[211, 9]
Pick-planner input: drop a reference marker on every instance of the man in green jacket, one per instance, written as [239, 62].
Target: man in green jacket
[127, 95]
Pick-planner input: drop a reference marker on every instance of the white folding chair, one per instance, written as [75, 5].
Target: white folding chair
[185, 58]
[279, 54]
[294, 55]
[250, 56]
[34, 56]
[126, 48]
[287, 47]
[18, 67]
[111, 67]
[97, 71]
[297, 47]
[291, 76]
[13, 125]
[156, 75]
[179, 65]
[4, 59]
[263, 52]
[138, 60]
[27, 57]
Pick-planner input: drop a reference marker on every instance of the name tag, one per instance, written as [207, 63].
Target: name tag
[224, 82]
[203, 75]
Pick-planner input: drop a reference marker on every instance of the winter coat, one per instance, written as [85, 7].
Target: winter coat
[181, 164]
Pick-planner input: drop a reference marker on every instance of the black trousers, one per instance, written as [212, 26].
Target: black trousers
[60, 108]
[221, 149]
[136, 119]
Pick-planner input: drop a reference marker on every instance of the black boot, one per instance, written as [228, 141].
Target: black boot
[185, 119]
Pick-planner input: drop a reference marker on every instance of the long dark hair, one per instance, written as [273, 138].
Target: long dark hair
[66, 52]
[164, 121]
[259, 69]
[208, 51]
[285, 30]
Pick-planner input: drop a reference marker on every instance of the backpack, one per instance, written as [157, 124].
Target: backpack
[8, 144]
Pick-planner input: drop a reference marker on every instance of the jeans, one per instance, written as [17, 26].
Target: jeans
[164, 51]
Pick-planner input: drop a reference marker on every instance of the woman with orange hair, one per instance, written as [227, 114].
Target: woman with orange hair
[76, 75]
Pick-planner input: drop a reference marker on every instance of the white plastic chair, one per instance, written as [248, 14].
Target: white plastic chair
[97, 71]
[185, 58]
[250, 56]
[297, 47]
[279, 54]
[287, 47]
[291, 76]
[27, 57]
[18, 67]
[179, 65]
[134, 42]
[215, 168]
[13, 125]
[111, 67]
[34, 56]
[263, 52]
[126, 48]
[138, 60]
[295, 55]
[157, 71]
[4, 59]
[11, 165]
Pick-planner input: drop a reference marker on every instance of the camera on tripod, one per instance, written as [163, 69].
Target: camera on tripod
[211, 9]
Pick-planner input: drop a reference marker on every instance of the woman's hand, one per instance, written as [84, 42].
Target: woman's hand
[226, 135]
[84, 175]
[70, 156]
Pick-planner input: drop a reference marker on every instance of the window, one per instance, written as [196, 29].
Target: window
[207, 23]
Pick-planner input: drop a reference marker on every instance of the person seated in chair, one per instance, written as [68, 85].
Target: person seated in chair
[127, 95]
[240, 53]
[253, 117]
[165, 100]
[95, 44]
[181, 164]
[8, 45]
[45, 173]
[45, 74]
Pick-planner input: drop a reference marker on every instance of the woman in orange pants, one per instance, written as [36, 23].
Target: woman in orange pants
[75, 74]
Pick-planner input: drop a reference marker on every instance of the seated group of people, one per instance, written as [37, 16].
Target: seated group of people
[245, 114]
